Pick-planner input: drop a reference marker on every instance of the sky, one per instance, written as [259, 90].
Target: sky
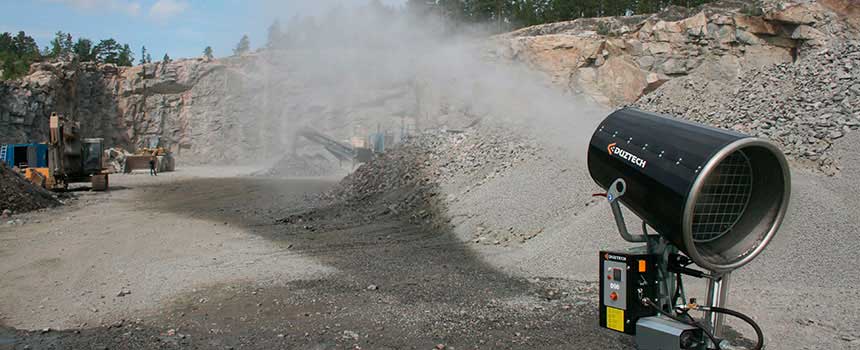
[181, 28]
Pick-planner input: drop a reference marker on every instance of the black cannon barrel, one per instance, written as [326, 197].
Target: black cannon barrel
[716, 194]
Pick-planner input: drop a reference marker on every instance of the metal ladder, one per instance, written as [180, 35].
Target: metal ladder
[3, 150]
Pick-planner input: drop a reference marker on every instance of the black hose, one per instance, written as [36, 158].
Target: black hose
[758, 333]
[704, 329]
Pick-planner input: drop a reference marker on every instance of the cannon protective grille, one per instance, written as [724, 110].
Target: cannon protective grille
[723, 199]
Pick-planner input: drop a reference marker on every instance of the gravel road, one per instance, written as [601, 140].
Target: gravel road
[210, 262]
[190, 261]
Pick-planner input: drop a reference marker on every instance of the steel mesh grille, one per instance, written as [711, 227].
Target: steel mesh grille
[723, 198]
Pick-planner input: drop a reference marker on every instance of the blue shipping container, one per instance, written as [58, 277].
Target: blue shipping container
[32, 155]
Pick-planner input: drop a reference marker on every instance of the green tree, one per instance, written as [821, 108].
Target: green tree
[244, 46]
[143, 55]
[6, 42]
[207, 53]
[125, 57]
[16, 54]
[107, 51]
[57, 44]
[25, 47]
[166, 58]
[83, 48]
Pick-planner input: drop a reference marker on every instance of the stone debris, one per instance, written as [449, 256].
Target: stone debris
[406, 179]
[350, 335]
[19, 195]
[803, 106]
[298, 165]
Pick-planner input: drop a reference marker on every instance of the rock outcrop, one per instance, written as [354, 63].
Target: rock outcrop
[236, 110]
[616, 60]
[201, 109]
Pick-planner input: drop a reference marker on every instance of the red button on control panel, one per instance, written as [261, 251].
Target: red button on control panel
[613, 296]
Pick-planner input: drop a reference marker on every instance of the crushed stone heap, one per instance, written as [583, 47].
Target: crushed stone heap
[18, 195]
[803, 106]
[298, 165]
[406, 180]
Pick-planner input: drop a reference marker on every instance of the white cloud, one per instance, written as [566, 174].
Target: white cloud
[163, 10]
[125, 6]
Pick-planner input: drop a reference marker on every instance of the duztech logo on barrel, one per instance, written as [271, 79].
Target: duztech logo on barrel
[630, 157]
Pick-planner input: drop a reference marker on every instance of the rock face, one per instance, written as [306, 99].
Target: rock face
[617, 60]
[237, 110]
[179, 102]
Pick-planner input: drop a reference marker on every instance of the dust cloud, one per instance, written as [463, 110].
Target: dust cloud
[353, 70]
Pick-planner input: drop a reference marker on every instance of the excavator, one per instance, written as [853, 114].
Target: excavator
[66, 158]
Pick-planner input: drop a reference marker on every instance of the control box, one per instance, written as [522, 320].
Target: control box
[626, 277]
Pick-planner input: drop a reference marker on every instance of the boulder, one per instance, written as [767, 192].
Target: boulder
[646, 62]
[671, 66]
[656, 48]
[805, 32]
[794, 14]
[621, 80]
[654, 81]
[746, 37]
[696, 25]
[755, 25]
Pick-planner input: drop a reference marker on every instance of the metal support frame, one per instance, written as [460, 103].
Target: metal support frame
[654, 244]
[616, 190]
[718, 289]
[718, 284]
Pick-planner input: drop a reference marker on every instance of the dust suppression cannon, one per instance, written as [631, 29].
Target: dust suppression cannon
[713, 200]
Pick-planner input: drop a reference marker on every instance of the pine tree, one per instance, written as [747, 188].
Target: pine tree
[166, 58]
[107, 51]
[207, 53]
[143, 55]
[243, 46]
[83, 48]
[68, 44]
[57, 44]
[16, 54]
[125, 57]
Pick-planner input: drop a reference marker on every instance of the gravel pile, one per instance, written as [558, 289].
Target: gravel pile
[18, 195]
[407, 179]
[298, 165]
[803, 106]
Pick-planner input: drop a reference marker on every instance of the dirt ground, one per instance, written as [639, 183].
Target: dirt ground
[196, 259]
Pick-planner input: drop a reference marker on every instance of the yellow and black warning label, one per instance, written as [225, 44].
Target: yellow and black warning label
[615, 319]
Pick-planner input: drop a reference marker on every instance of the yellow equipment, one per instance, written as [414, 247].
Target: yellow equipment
[70, 159]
